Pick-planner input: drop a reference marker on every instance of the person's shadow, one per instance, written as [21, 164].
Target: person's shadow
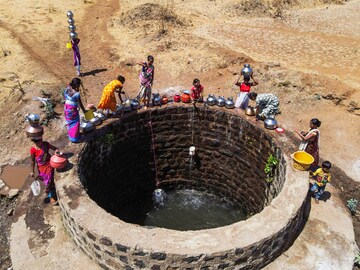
[93, 72]
[325, 196]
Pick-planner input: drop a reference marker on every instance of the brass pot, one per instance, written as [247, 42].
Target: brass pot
[250, 111]
[34, 131]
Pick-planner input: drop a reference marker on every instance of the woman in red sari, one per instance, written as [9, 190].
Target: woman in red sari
[41, 156]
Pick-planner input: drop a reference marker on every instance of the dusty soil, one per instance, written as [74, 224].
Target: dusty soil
[306, 52]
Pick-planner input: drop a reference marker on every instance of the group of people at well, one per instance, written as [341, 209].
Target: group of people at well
[267, 107]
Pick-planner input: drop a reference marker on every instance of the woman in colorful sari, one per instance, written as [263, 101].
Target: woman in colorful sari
[108, 99]
[41, 156]
[242, 100]
[146, 78]
[72, 102]
[311, 140]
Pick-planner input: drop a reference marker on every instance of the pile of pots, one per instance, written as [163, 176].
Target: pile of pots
[220, 101]
[35, 132]
[72, 26]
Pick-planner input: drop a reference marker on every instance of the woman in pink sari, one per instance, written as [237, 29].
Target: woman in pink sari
[41, 156]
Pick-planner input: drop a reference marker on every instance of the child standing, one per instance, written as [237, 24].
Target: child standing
[197, 91]
[322, 176]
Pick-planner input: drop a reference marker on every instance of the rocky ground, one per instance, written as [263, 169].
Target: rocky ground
[306, 52]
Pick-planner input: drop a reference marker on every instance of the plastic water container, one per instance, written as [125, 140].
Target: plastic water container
[35, 187]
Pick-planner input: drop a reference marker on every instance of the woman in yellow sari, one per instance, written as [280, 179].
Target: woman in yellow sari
[108, 99]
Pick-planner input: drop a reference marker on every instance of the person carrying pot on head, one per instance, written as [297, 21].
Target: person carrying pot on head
[242, 100]
[311, 140]
[146, 78]
[197, 91]
[71, 112]
[77, 58]
[267, 105]
[41, 157]
[108, 99]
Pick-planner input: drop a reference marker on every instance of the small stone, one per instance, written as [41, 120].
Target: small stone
[2, 184]
[12, 193]
[10, 212]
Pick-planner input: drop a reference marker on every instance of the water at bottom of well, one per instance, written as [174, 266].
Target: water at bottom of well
[187, 209]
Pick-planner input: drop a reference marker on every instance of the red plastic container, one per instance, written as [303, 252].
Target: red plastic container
[58, 161]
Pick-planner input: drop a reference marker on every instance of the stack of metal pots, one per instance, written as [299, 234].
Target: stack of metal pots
[72, 26]
[34, 130]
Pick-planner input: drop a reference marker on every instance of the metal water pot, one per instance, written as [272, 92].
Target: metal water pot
[100, 115]
[135, 105]
[72, 28]
[71, 21]
[156, 100]
[211, 100]
[247, 70]
[86, 126]
[69, 14]
[33, 118]
[34, 131]
[270, 123]
[220, 101]
[250, 111]
[126, 107]
[229, 103]
[73, 35]
[95, 121]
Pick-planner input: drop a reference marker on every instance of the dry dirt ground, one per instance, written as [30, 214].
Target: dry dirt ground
[306, 52]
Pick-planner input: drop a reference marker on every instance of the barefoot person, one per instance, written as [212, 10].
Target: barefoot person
[242, 100]
[41, 157]
[77, 58]
[310, 140]
[108, 99]
[146, 78]
[71, 112]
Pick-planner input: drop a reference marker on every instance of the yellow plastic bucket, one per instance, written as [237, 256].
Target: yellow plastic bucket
[89, 115]
[68, 45]
[302, 160]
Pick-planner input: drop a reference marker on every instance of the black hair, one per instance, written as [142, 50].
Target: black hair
[252, 95]
[121, 78]
[75, 83]
[315, 122]
[150, 58]
[36, 140]
[326, 165]
[196, 81]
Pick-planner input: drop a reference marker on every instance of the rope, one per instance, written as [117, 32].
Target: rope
[153, 150]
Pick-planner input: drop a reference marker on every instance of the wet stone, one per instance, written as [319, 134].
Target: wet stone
[140, 253]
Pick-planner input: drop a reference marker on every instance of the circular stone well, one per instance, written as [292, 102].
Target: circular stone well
[117, 168]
